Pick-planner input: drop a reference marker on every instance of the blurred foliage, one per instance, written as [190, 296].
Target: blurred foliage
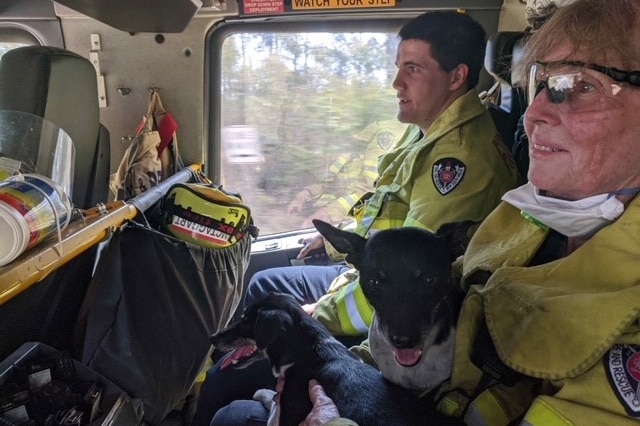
[306, 95]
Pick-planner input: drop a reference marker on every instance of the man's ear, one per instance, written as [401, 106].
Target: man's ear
[345, 242]
[459, 76]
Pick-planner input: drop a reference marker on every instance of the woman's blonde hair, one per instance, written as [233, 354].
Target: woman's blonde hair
[608, 31]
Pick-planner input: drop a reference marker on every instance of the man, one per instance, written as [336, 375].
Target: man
[450, 165]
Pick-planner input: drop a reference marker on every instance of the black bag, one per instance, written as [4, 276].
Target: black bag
[152, 305]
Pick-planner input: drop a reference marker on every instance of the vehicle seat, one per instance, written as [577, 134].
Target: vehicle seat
[510, 102]
[61, 87]
[507, 109]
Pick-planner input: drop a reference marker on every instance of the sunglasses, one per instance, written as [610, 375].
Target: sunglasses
[579, 86]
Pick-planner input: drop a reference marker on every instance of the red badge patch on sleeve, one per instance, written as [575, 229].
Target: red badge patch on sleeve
[622, 364]
[447, 173]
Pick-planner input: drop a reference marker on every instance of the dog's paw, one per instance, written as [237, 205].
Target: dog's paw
[265, 396]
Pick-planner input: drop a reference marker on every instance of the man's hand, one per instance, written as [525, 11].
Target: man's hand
[323, 407]
[310, 244]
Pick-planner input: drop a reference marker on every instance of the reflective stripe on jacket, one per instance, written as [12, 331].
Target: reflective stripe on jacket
[354, 311]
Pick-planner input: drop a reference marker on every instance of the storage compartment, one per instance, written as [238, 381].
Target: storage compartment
[40, 385]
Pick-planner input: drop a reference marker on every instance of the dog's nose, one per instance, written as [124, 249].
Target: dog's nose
[403, 342]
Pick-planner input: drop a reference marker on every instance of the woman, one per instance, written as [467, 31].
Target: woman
[553, 305]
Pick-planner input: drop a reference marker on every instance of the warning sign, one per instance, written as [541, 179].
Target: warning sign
[262, 6]
[339, 4]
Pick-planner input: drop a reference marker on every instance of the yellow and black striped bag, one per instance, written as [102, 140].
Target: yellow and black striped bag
[206, 215]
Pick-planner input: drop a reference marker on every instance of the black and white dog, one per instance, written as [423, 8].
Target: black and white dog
[405, 274]
[301, 348]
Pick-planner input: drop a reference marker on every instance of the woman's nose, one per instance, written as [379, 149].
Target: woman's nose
[541, 107]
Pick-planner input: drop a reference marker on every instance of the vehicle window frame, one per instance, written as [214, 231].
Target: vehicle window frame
[37, 30]
[213, 64]
[17, 34]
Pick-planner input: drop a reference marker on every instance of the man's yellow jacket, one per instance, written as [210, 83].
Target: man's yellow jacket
[458, 170]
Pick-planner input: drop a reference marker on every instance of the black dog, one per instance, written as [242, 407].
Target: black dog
[405, 274]
[301, 348]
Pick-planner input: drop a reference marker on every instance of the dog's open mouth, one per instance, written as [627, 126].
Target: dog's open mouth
[241, 357]
[407, 357]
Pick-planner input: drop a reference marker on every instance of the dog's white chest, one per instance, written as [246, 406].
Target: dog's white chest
[433, 368]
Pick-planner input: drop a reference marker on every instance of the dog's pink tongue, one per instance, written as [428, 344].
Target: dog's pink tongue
[236, 354]
[407, 357]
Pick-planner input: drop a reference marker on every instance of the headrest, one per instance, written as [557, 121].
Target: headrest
[60, 86]
[516, 55]
[498, 59]
[539, 11]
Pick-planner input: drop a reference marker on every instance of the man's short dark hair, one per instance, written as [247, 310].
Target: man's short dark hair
[455, 38]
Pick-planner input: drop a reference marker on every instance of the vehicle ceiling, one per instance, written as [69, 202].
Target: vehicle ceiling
[173, 16]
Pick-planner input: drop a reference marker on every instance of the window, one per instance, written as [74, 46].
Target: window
[303, 117]
[11, 38]
[7, 46]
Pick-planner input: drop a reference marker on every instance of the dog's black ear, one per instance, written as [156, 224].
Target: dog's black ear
[456, 234]
[271, 324]
[345, 242]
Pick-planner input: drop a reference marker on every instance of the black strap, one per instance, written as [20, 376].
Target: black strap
[485, 357]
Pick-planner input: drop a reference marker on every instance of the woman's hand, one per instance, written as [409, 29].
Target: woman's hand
[323, 407]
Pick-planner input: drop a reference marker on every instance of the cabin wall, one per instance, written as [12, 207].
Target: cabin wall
[36, 17]
[512, 16]
[133, 63]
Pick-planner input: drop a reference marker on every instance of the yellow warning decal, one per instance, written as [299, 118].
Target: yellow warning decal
[339, 4]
